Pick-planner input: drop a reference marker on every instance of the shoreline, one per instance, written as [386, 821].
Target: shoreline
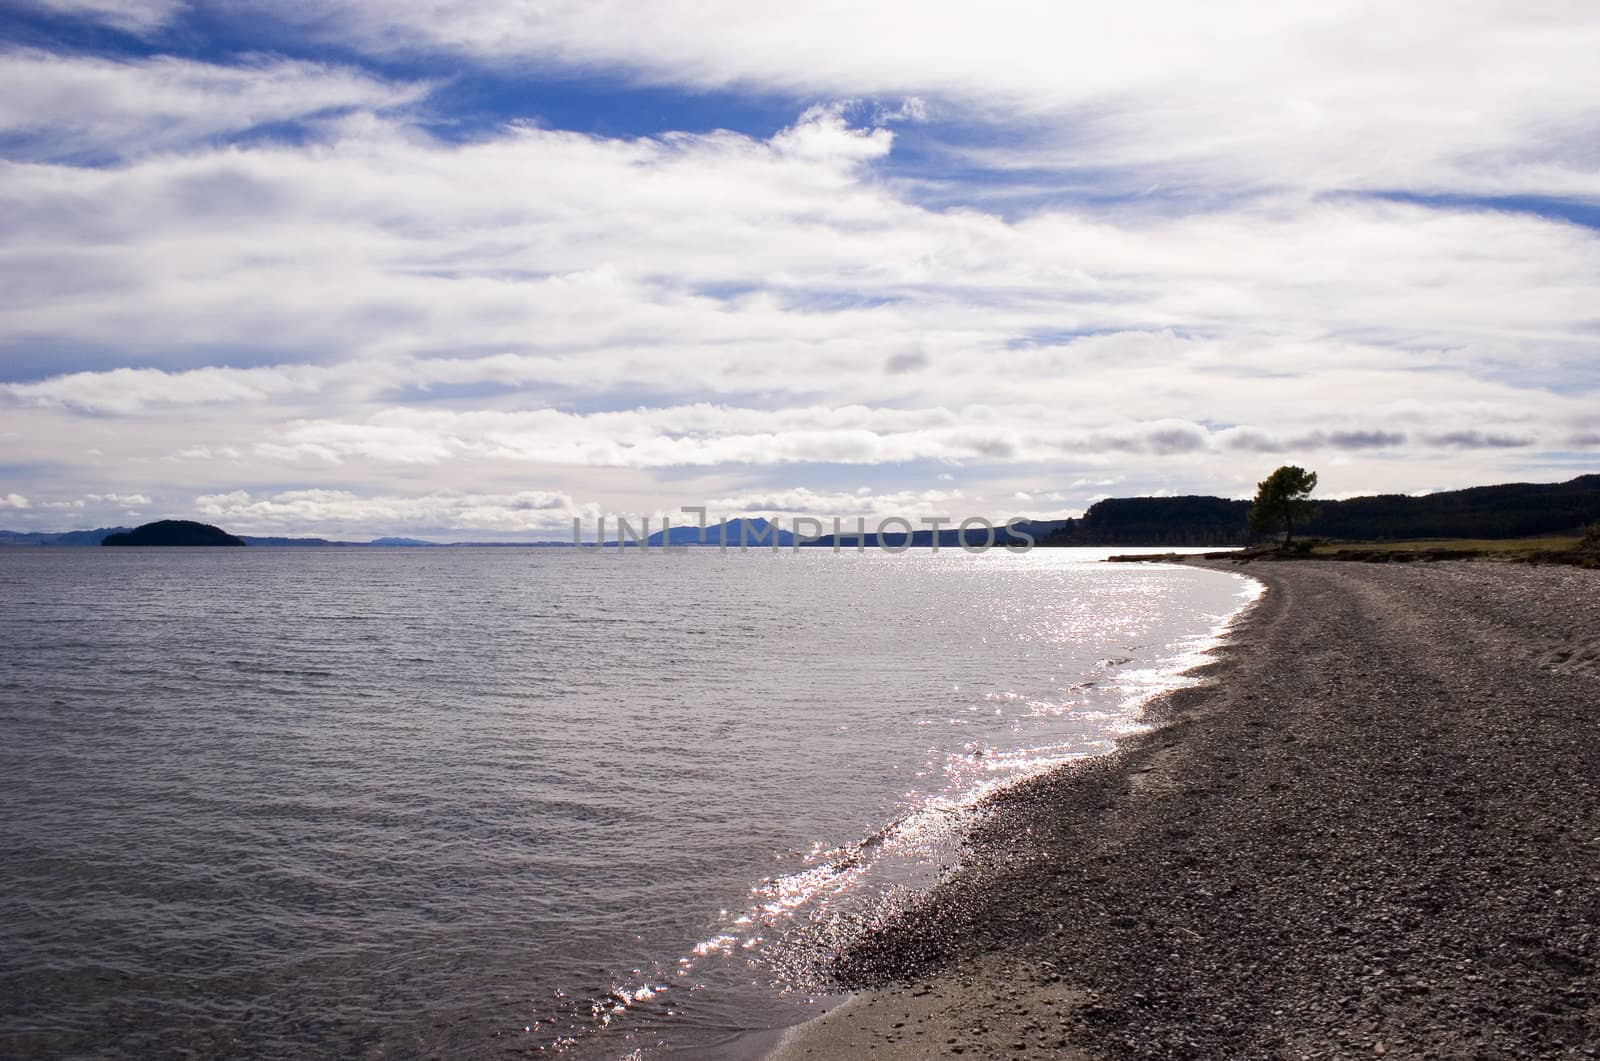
[1182, 673]
[1369, 830]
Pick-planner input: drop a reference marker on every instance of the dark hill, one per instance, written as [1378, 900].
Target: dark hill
[1159, 521]
[174, 532]
[1510, 510]
[751, 533]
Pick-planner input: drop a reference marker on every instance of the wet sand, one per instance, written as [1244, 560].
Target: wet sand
[1374, 831]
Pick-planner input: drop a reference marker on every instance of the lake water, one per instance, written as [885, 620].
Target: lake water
[488, 802]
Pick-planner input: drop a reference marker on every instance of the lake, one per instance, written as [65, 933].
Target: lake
[478, 802]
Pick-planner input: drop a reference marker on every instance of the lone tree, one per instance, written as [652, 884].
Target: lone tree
[1281, 499]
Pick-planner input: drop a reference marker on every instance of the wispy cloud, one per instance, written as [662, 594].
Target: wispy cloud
[54, 107]
[1464, 94]
[133, 16]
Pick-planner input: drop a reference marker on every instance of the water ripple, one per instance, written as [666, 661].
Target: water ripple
[280, 803]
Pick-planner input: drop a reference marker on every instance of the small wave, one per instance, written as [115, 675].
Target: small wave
[797, 922]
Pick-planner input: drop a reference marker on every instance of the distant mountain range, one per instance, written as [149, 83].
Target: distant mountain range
[79, 537]
[1510, 510]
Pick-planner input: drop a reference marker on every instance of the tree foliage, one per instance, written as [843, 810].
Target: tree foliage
[1282, 500]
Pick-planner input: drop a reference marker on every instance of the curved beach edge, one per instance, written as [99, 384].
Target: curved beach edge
[1368, 830]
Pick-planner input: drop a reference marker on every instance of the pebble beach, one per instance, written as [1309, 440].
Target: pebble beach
[1372, 830]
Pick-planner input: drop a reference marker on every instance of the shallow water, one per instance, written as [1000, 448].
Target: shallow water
[471, 802]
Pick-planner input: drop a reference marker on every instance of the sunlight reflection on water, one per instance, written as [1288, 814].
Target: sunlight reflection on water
[446, 801]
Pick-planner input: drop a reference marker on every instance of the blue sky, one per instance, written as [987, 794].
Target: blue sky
[470, 269]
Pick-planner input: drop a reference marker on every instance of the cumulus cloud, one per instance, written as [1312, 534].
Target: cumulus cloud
[823, 134]
[14, 501]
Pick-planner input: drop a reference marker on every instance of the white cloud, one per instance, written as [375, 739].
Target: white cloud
[54, 107]
[458, 319]
[823, 135]
[14, 501]
[824, 504]
[1431, 95]
[206, 453]
[134, 16]
[338, 511]
[128, 390]
[710, 436]
[910, 109]
[513, 255]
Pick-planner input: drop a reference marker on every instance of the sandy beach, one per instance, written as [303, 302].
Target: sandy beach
[1373, 831]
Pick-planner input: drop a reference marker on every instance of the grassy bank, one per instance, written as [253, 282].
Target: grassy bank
[1504, 549]
[1546, 549]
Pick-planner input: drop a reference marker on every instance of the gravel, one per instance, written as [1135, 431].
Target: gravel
[1374, 831]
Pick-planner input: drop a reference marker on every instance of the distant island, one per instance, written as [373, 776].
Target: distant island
[183, 532]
